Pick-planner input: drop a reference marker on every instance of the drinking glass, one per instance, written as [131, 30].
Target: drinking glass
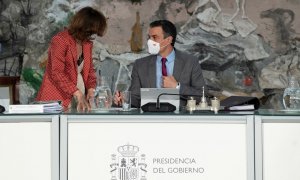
[126, 100]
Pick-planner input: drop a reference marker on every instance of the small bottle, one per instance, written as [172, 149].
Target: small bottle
[215, 104]
[290, 99]
[191, 104]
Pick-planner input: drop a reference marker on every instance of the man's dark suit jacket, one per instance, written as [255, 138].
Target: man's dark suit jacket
[187, 71]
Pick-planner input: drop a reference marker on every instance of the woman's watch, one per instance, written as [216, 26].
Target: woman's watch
[178, 85]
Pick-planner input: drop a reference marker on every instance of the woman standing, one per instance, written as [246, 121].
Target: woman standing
[70, 73]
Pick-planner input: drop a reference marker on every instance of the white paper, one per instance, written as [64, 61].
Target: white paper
[243, 107]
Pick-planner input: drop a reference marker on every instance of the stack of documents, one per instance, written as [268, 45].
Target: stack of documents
[36, 107]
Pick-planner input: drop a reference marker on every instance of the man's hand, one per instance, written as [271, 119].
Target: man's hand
[118, 98]
[169, 82]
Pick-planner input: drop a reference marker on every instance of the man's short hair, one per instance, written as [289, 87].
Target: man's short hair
[168, 28]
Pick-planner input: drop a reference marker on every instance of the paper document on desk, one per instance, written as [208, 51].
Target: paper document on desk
[36, 107]
[242, 107]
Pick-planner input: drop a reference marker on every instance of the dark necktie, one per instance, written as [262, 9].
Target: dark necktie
[164, 67]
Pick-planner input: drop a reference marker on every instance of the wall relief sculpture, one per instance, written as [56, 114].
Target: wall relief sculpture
[244, 47]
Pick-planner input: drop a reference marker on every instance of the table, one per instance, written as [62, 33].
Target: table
[29, 147]
[277, 145]
[116, 145]
[156, 146]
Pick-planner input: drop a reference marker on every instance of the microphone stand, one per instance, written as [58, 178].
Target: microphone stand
[157, 100]
[164, 107]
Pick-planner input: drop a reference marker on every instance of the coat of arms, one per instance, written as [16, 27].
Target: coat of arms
[128, 166]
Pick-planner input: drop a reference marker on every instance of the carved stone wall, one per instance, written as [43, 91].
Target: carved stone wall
[245, 47]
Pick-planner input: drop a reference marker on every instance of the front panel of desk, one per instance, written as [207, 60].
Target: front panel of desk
[277, 144]
[29, 147]
[156, 147]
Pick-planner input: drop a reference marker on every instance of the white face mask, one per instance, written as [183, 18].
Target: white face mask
[153, 47]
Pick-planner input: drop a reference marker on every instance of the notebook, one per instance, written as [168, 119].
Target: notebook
[151, 94]
[240, 103]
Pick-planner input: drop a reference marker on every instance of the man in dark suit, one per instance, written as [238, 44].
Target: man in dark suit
[166, 67]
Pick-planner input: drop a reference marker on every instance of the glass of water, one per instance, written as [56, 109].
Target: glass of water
[126, 100]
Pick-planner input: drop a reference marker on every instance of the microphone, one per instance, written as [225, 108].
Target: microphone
[165, 106]
[160, 107]
[2, 109]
